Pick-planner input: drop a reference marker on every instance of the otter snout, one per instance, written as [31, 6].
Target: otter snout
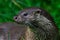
[17, 18]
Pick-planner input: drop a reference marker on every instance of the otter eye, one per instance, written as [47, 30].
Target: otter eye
[25, 14]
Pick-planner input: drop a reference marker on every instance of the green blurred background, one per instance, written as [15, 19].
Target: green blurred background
[10, 8]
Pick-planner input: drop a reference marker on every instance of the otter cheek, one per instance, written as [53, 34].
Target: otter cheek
[31, 18]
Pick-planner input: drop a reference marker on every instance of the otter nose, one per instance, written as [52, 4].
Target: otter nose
[15, 17]
[18, 18]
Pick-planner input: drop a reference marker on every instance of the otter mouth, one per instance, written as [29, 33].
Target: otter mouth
[19, 22]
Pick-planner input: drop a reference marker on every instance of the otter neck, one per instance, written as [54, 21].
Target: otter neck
[45, 25]
[39, 21]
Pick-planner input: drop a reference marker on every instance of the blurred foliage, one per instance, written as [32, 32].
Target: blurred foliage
[10, 8]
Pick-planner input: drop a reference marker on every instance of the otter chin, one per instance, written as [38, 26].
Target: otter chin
[40, 22]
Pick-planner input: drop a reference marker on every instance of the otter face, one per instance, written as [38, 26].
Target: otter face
[27, 15]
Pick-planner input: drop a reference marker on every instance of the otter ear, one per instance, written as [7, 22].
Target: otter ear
[37, 14]
[38, 11]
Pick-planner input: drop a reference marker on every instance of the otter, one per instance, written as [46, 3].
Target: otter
[40, 24]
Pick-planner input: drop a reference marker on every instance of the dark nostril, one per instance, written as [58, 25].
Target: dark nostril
[15, 17]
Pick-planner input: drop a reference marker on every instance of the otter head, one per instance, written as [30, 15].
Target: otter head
[27, 15]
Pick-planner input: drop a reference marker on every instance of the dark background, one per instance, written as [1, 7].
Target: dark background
[10, 8]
